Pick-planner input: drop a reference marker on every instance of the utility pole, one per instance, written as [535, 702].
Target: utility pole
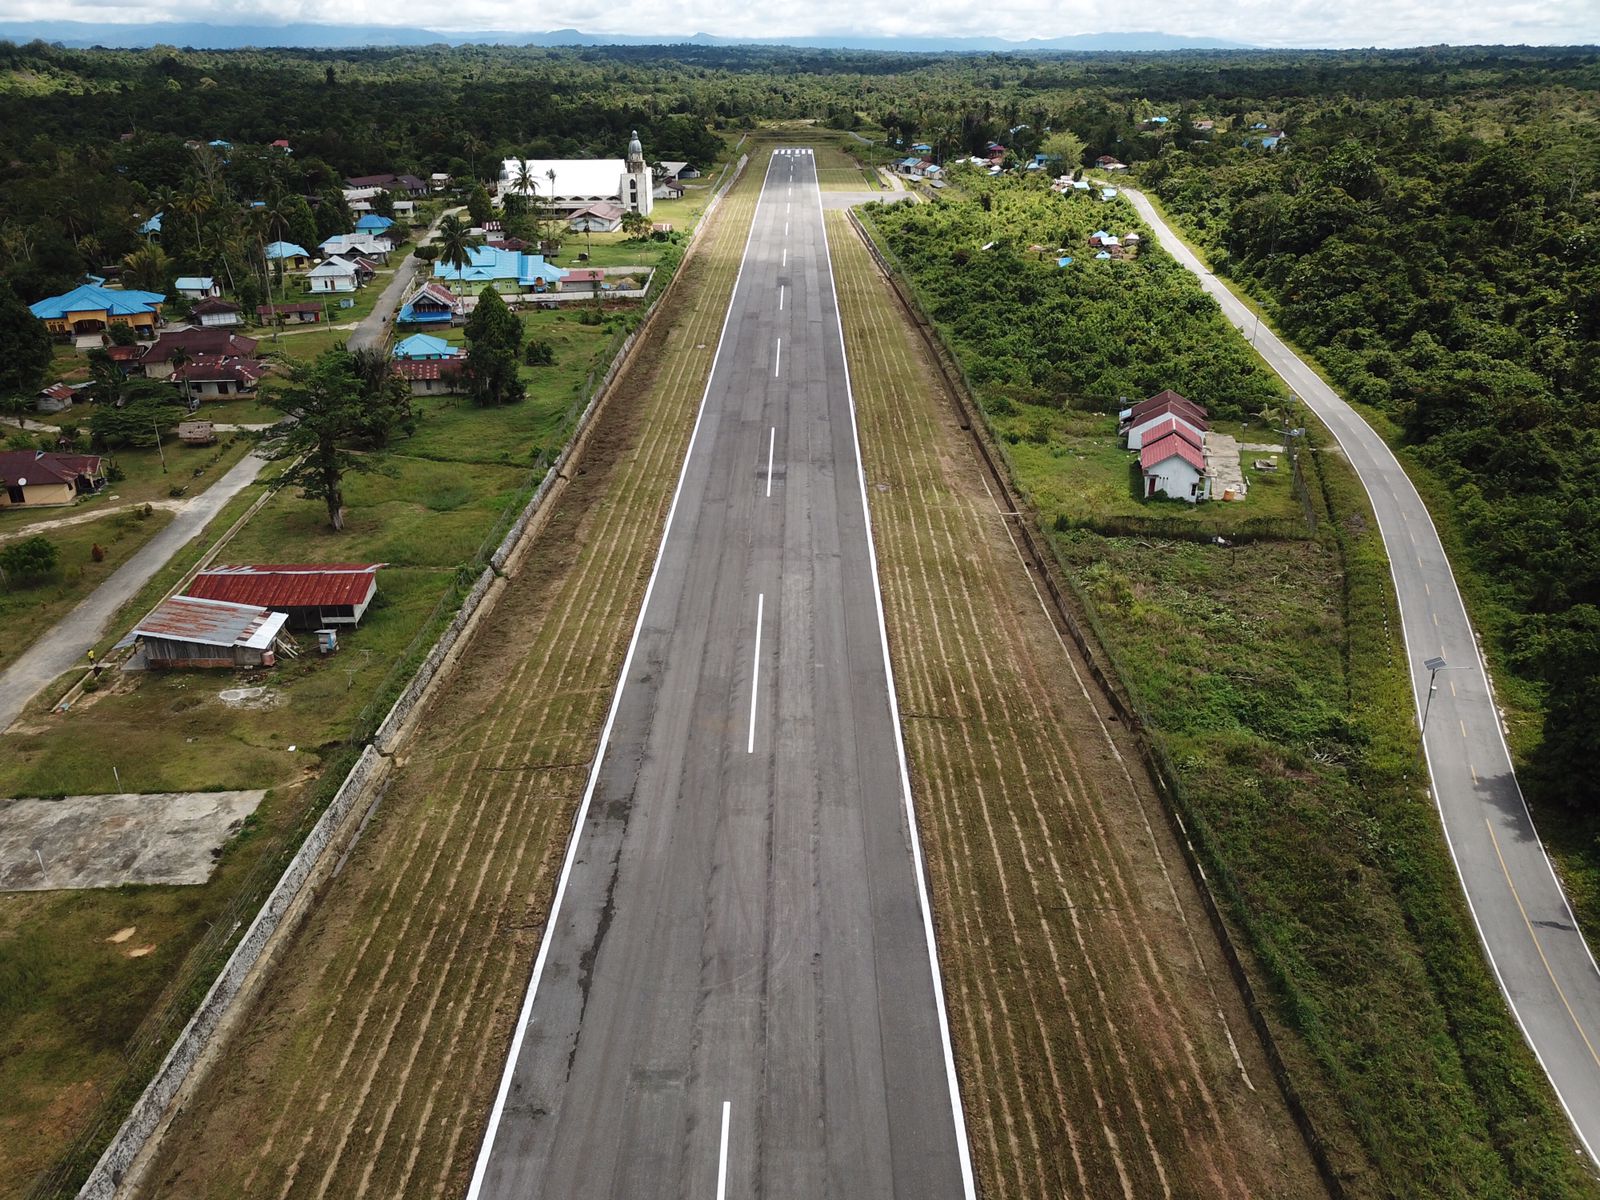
[159, 450]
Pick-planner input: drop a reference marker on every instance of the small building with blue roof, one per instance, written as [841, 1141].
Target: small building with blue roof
[373, 223]
[424, 347]
[292, 255]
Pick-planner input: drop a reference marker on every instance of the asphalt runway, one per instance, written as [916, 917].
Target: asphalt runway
[1533, 942]
[736, 995]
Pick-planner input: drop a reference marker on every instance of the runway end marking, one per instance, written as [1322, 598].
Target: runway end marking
[772, 444]
[777, 356]
[755, 674]
[722, 1154]
[1536, 943]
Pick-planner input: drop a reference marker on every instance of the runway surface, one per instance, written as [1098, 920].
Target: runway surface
[1538, 954]
[737, 995]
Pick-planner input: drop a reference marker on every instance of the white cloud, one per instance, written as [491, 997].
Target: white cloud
[1259, 22]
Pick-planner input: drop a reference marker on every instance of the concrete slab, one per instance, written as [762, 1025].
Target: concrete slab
[105, 841]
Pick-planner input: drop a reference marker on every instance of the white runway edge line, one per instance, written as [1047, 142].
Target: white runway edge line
[722, 1152]
[969, 1188]
[475, 1188]
[1418, 692]
[755, 673]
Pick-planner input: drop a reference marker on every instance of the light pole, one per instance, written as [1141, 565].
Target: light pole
[1434, 666]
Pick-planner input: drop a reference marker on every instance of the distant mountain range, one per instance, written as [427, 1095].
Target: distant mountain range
[200, 35]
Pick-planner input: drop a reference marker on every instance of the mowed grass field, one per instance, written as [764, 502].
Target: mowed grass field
[368, 1063]
[1102, 1048]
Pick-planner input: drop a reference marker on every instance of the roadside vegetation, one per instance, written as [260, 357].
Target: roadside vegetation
[1277, 698]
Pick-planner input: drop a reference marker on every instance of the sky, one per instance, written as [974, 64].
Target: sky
[1311, 23]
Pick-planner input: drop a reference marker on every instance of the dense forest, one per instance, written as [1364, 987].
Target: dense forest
[1428, 226]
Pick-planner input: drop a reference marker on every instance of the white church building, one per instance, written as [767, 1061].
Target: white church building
[576, 183]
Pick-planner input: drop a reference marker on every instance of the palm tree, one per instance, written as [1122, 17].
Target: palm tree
[523, 182]
[455, 242]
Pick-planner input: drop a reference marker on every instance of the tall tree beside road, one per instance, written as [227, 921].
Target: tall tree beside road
[27, 345]
[385, 397]
[494, 337]
[325, 399]
[479, 207]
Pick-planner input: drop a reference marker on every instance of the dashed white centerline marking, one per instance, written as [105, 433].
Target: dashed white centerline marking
[786, 229]
[750, 742]
[786, 256]
[722, 1154]
[777, 356]
[780, 297]
[772, 444]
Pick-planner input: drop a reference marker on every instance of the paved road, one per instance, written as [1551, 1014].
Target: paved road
[65, 643]
[736, 988]
[1543, 963]
[373, 329]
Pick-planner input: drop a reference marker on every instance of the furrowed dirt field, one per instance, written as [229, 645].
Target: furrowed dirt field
[1102, 1047]
[368, 1064]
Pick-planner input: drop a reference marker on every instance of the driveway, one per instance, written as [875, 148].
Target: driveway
[373, 329]
[65, 643]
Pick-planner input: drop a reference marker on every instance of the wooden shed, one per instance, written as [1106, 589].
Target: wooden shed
[186, 631]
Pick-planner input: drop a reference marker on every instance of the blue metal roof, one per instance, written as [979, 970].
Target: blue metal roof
[153, 225]
[89, 298]
[277, 250]
[373, 221]
[423, 346]
[489, 263]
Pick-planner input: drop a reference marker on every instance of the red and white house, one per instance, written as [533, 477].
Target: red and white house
[1166, 405]
[1174, 465]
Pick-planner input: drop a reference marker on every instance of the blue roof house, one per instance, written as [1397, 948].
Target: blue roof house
[372, 222]
[1064, 261]
[197, 287]
[89, 309]
[289, 253]
[508, 270]
[152, 226]
[423, 347]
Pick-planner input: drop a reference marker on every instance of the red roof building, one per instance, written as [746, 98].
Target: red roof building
[314, 595]
[432, 377]
[1168, 396]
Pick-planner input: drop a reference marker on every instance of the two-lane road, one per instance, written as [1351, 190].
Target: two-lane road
[737, 993]
[1533, 943]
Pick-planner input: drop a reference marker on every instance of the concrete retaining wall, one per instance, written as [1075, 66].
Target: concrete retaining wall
[312, 859]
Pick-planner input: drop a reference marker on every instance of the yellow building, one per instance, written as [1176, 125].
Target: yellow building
[36, 478]
[90, 309]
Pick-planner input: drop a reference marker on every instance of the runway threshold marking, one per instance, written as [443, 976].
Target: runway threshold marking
[722, 1154]
[1537, 945]
[755, 673]
[772, 444]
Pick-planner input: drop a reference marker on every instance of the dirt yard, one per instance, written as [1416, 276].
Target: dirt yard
[1102, 1046]
[369, 1062]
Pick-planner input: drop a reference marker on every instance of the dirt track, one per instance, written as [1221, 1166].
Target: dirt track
[370, 1059]
[1103, 1050]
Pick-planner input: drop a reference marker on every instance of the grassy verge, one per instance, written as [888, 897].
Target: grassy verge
[446, 498]
[376, 1044]
[1276, 693]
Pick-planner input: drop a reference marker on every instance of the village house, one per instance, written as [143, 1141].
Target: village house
[374, 225]
[434, 377]
[89, 309]
[407, 185]
[430, 304]
[300, 312]
[213, 313]
[359, 200]
[1164, 405]
[58, 397]
[584, 279]
[187, 631]
[197, 287]
[312, 596]
[1175, 467]
[156, 361]
[1204, 126]
[211, 377]
[343, 245]
[572, 184]
[39, 478]
[292, 256]
[604, 217]
[1110, 163]
[334, 275]
[508, 270]
[439, 181]
[669, 189]
[421, 347]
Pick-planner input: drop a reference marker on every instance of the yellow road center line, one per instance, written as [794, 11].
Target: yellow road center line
[1490, 827]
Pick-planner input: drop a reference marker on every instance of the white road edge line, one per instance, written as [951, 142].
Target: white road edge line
[487, 1146]
[772, 444]
[722, 1154]
[755, 673]
[963, 1151]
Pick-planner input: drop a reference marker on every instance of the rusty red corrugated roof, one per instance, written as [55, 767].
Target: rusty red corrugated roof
[288, 585]
[209, 622]
[1158, 451]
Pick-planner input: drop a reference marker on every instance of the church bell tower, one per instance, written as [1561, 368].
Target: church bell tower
[639, 185]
